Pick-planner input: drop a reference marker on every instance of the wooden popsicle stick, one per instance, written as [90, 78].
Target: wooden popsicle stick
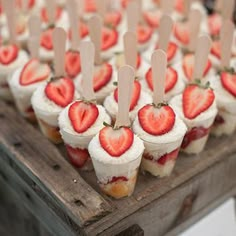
[167, 6]
[24, 5]
[201, 56]
[125, 88]
[87, 51]
[140, 7]
[33, 46]
[74, 24]
[9, 8]
[228, 9]
[51, 10]
[132, 16]
[95, 31]
[226, 41]
[187, 5]
[159, 64]
[218, 5]
[195, 18]
[80, 7]
[165, 29]
[59, 41]
[130, 49]
[101, 7]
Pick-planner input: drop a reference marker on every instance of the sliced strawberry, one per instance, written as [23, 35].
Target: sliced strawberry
[214, 24]
[82, 115]
[118, 178]
[228, 81]
[156, 121]
[171, 50]
[171, 79]
[60, 91]
[124, 3]
[152, 18]
[135, 95]
[72, 63]
[144, 33]
[44, 14]
[169, 156]
[179, 6]
[196, 100]
[83, 29]
[109, 38]
[181, 32]
[46, 39]
[8, 53]
[30, 4]
[90, 6]
[216, 49]
[138, 62]
[112, 18]
[102, 76]
[188, 64]
[34, 72]
[116, 141]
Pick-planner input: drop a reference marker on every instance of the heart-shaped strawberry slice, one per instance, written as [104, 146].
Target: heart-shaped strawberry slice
[181, 32]
[44, 14]
[82, 115]
[90, 6]
[144, 33]
[102, 76]
[188, 64]
[152, 18]
[8, 53]
[171, 50]
[171, 79]
[155, 120]
[228, 81]
[72, 63]
[112, 18]
[34, 72]
[135, 95]
[216, 49]
[30, 3]
[60, 91]
[214, 24]
[196, 100]
[46, 39]
[109, 38]
[116, 141]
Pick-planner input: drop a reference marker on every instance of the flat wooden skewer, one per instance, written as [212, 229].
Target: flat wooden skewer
[167, 6]
[59, 42]
[187, 5]
[228, 9]
[51, 11]
[101, 7]
[87, 51]
[125, 88]
[132, 16]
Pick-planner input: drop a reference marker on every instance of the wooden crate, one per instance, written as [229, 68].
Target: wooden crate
[66, 202]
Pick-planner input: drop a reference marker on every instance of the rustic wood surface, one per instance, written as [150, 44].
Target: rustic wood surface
[196, 181]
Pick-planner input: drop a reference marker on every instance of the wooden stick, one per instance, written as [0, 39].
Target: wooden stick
[195, 18]
[130, 49]
[218, 5]
[35, 30]
[51, 10]
[228, 9]
[165, 29]
[132, 16]
[95, 31]
[87, 51]
[9, 8]
[125, 88]
[159, 64]
[74, 24]
[101, 7]
[167, 6]
[201, 56]
[187, 5]
[59, 41]
[24, 5]
[226, 41]
[140, 7]
[80, 7]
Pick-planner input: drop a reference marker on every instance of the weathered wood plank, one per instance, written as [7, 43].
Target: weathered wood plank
[43, 164]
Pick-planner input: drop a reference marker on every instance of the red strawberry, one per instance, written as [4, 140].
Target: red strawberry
[196, 100]
[82, 115]
[156, 121]
[44, 14]
[112, 18]
[90, 5]
[72, 63]
[102, 76]
[46, 39]
[109, 38]
[60, 91]
[118, 178]
[124, 3]
[144, 33]
[171, 79]
[228, 81]
[152, 18]
[181, 32]
[30, 4]
[8, 53]
[34, 72]
[168, 156]
[116, 141]
[188, 64]
[138, 62]
[171, 50]
[216, 49]
[179, 6]
[214, 24]
[83, 30]
[135, 95]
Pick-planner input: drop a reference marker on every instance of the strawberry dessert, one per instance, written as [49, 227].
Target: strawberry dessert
[48, 101]
[11, 58]
[162, 133]
[24, 81]
[197, 108]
